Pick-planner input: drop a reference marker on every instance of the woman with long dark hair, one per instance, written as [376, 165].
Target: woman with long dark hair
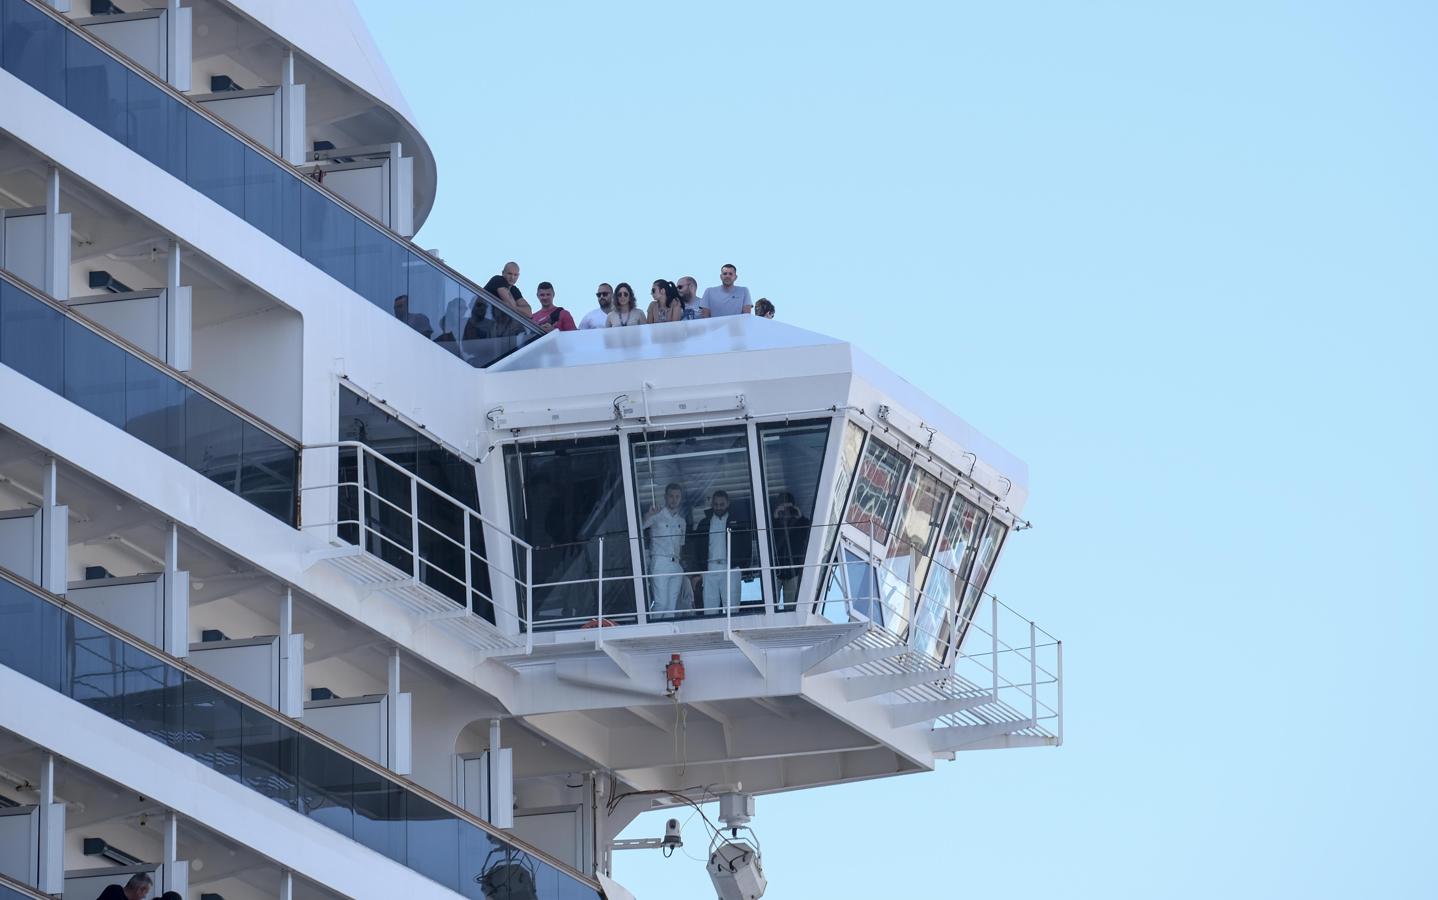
[623, 312]
[665, 304]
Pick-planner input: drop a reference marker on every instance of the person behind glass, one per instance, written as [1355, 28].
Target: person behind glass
[728, 299]
[418, 321]
[763, 308]
[550, 317]
[711, 542]
[664, 303]
[597, 317]
[623, 312]
[791, 541]
[689, 296]
[505, 286]
[667, 527]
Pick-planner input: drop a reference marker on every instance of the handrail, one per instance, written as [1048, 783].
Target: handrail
[19, 889]
[153, 361]
[192, 106]
[275, 716]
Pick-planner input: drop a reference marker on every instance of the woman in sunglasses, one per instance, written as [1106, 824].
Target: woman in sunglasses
[623, 312]
[665, 304]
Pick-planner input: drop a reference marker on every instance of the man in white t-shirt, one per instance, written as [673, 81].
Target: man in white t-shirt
[729, 299]
[596, 317]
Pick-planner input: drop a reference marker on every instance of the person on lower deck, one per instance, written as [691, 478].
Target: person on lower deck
[667, 527]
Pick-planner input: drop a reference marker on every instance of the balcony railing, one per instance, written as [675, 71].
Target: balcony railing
[78, 656]
[146, 115]
[54, 347]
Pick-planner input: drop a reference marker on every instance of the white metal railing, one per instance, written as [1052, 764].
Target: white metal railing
[984, 644]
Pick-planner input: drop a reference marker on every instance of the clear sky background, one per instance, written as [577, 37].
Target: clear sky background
[1180, 258]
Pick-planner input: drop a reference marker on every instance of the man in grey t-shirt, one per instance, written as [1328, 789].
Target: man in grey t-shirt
[729, 299]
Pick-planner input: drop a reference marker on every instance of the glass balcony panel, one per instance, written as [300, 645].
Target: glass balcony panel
[792, 457]
[327, 236]
[213, 730]
[213, 441]
[96, 87]
[32, 637]
[31, 338]
[34, 49]
[155, 407]
[432, 841]
[156, 125]
[379, 814]
[94, 373]
[272, 199]
[326, 786]
[95, 669]
[215, 164]
[268, 472]
[149, 688]
[563, 496]
[381, 270]
[268, 761]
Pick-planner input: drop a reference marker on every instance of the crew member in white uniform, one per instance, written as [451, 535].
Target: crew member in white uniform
[667, 527]
[715, 578]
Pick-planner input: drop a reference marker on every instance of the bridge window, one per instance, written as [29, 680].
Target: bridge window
[907, 563]
[953, 557]
[792, 456]
[691, 488]
[876, 492]
[564, 496]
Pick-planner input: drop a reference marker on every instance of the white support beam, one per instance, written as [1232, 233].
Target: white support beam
[855, 656]
[1012, 742]
[652, 715]
[862, 687]
[943, 740]
[726, 724]
[902, 714]
[819, 652]
[623, 659]
[773, 707]
[755, 654]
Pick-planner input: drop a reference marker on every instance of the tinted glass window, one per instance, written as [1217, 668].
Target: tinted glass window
[327, 236]
[213, 443]
[380, 267]
[215, 164]
[953, 555]
[696, 513]
[907, 561]
[31, 339]
[34, 49]
[94, 373]
[271, 196]
[155, 407]
[793, 457]
[97, 87]
[848, 464]
[563, 497]
[876, 491]
[156, 125]
[267, 472]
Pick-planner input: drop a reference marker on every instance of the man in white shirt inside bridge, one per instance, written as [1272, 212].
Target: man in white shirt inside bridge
[729, 299]
[667, 527]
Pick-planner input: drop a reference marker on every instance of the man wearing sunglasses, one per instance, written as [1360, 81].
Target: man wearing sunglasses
[597, 317]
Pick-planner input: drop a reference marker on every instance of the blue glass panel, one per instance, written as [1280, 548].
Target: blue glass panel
[34, 49]
[30, 337]
[152, 696]
[267, 473]
[379, 814]
[94, 373]
[156, 126]
[265, 190]
[427, 291]
[213, 440]
[96, 87]
[97, 659]
[380, 272]
[211, 725]
[327, 236]
[32, 637]
[326, 785]
[155, 407]
[432, 837]
[268, 757]
[215, 164]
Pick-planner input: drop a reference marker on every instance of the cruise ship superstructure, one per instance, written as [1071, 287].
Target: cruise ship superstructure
[323, 574]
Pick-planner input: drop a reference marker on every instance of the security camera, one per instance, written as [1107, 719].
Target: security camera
[672, 837]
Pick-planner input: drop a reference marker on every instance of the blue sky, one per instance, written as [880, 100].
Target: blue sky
[1179, 258]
